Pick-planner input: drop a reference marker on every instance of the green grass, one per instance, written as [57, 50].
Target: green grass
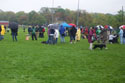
[33, 62]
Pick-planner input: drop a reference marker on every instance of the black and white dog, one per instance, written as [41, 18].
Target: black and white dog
[101, 46]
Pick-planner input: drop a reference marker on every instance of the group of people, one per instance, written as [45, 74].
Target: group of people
[36, 31]
[13, 32]
[101, 35]
[53, 34]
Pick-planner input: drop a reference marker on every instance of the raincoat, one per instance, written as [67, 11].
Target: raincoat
[78, 34]
[2, 30]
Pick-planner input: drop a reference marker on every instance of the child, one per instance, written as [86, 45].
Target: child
[111, 38]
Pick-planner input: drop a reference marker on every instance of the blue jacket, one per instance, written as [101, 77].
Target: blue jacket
[61, 30]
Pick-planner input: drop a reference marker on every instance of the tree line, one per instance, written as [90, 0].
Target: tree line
[44, 16]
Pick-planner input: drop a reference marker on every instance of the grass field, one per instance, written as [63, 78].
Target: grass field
[33, 62]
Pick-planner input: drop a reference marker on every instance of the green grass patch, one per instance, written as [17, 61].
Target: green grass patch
[33, 62]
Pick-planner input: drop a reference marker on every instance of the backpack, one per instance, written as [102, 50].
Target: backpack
[123, 33]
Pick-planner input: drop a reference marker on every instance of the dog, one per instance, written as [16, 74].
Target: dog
[44, 42]
[101, 46]
[115, 40]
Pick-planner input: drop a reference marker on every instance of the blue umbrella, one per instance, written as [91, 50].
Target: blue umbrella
[64, 24]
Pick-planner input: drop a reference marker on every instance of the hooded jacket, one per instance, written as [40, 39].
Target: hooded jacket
[2, 30]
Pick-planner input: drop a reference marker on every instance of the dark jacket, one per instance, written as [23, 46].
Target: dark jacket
[52, 31]
[29, 29]
[73, 31]
[14, 30]
[37, 29]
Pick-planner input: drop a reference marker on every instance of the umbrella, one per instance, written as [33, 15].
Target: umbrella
[13, 25]
[122, 26]
[99, 26]
[65, 25]
[106, 26]
[50, 26]
[72, 25]
[110, 27]
[53, 26]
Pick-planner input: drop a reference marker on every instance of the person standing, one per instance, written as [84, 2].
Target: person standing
[2, 31]
[56, 35]
[34, 33]
[73, 31]
[78, 34]
[121, 35]
[90, 34]
[98, 31]
[14, 29]
[37, 31]
[62, 33]
[104, 37]
[40, 32]
[14, 33]
[29, 30]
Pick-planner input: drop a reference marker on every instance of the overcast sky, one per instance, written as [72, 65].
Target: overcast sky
[100, 6]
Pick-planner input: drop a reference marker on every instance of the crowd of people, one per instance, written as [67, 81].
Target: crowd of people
[36, 31]
[101, 35]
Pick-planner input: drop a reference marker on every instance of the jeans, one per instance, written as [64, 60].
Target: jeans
[121, 39]
[56, 40]
[14, 36]
[62, 38]
[72, 38]
[0, 37]
[34, 35]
